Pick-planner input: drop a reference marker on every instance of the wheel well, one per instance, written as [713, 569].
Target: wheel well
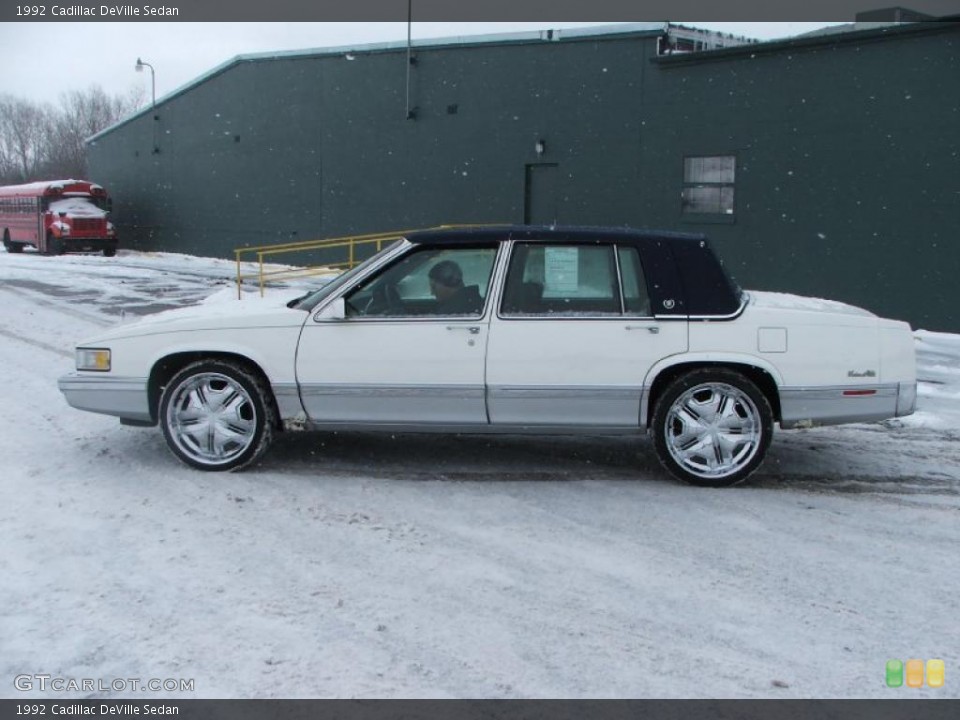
[760, 377]
[165, 368]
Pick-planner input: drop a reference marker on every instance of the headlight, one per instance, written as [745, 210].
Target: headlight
[93, 359]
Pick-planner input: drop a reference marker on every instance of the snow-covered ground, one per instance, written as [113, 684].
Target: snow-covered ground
[354, 565]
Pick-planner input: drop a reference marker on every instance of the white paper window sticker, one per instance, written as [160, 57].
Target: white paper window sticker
[561, 268]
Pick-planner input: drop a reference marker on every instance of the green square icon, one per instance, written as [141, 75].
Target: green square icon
[894, 673]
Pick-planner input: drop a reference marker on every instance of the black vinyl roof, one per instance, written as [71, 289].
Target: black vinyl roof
[555, 233]
[688, 278]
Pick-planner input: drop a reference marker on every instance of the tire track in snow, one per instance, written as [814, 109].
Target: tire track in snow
[35, 343]
[66, 308]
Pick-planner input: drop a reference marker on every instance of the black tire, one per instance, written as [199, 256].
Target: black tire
[9, 245]
[235, 403]
[712, 427]
[109, 252]
[54, 245]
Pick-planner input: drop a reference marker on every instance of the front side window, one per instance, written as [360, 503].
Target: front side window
[708, 184]
[427, 282]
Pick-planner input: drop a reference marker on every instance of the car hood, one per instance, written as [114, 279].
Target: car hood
[219, 311]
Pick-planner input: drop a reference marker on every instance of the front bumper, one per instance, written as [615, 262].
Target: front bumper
[122, 397]
[72, 243]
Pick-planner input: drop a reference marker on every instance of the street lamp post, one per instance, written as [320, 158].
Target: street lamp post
[153, 97]
[153, 79]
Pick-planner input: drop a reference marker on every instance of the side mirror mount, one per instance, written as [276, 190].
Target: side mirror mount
[336, 310]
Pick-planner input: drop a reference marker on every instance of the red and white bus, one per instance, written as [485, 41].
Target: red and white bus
[57, 216]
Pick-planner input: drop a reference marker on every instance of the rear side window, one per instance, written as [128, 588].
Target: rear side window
[561, 280]
[636, 301]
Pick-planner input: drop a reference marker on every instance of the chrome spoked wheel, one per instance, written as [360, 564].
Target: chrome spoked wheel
[211, 419]
[713, 430]
[712, 427]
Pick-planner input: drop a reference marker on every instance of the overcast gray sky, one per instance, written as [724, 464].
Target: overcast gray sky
[42, 60]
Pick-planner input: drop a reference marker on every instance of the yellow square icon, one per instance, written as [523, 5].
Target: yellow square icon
[935, 673]
[914, 673]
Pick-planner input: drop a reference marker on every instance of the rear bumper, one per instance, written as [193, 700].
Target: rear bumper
[811, 407]
[122, 397]
[907, 398]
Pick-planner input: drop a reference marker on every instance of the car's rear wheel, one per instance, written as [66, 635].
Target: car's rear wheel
[109, 252]
[712, 427]
[217, 415]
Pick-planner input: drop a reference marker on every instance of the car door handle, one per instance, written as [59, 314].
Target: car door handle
[472, 329]
[652, 329]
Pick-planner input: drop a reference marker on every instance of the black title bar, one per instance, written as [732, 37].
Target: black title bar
[452, 11]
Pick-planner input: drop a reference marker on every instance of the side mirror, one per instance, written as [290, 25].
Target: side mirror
[337, 310]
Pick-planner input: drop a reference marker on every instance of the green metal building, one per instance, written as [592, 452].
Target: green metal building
[826, 165]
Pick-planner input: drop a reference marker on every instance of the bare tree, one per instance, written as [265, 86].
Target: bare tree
[24, 129]
[83, 113]
[39, 141]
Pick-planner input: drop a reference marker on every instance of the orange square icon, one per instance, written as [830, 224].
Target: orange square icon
[914, 673]
[935, 673]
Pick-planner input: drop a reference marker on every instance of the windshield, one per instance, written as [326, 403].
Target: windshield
[312, 299]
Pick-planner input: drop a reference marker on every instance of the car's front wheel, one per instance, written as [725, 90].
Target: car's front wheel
[712, 427]
[217, 415]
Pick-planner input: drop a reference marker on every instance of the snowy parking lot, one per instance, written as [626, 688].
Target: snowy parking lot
[356, 565]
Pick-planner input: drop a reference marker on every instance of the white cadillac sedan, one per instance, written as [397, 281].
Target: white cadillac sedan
[508, 330]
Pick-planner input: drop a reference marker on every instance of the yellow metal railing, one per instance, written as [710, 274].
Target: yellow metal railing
[351, 242]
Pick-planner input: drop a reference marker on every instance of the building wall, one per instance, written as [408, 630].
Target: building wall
[848, 162]
[848, 168]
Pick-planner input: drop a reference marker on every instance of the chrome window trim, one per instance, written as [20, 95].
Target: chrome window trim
[388, 255]
[643, 286]
[621, 317]
[481, 319]
[744, 301]
[619, 277]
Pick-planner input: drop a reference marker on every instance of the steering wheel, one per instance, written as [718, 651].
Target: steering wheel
[385, 300]
[394, 302]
